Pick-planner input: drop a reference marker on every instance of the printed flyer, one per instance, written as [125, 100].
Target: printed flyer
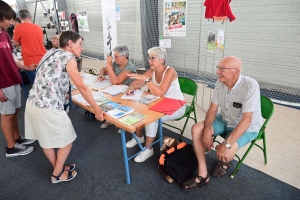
[174, 18]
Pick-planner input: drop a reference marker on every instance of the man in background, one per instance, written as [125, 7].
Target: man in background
[10, 94]
[31, 39]
[54, 41]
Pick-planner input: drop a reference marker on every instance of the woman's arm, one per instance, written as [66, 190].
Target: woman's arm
[83, 89]
[139, 80]
[170, 75]
[102, 73]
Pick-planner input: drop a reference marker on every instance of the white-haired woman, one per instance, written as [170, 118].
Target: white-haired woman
[162, 81]
[117, 70]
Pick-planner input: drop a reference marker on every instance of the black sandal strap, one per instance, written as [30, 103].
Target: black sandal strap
[59, 175]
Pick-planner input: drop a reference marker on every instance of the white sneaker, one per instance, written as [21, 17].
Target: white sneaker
[105, 125]
[144, 155]
[132, 142]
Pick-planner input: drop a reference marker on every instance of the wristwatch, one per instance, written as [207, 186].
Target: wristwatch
[227, 145]
[147, 80]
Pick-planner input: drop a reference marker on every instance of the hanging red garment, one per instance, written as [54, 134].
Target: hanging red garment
[218, 8]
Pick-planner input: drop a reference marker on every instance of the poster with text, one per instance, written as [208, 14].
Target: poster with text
[82, 21]
[109, 26]
[174, 14]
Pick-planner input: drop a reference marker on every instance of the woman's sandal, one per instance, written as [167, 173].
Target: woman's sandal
[72, 167]
[221, 169]
[58, 180]
[191, 184]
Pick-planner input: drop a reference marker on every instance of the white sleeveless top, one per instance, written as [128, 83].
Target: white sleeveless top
[174, 91]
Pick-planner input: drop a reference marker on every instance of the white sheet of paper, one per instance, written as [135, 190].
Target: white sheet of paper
[101, 84]
[166, 43]
[137, 95]
[115, 89]
[98, 95]
[86, 75]
[79, 98]
[90, 80]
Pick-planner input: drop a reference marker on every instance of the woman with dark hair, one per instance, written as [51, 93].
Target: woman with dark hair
[45, 118]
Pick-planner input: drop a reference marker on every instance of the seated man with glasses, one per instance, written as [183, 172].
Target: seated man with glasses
[117, 70]
[238, 97]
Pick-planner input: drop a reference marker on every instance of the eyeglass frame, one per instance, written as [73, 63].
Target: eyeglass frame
[222, 69]
[116, 57]
[151, 58]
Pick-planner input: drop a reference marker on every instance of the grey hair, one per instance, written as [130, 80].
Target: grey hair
[159, 52]
[122, 50]
[24, 14]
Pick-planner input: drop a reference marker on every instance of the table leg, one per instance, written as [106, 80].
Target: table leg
[125, 156]
[160, 133]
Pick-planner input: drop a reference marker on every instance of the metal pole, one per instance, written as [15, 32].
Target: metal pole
[35, 11]
[56, 14]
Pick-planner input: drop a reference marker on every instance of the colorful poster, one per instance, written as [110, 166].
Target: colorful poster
[109, 26]
[221, 40]
[82, 21]
[118, 16]
[174, 18]
[211, 42]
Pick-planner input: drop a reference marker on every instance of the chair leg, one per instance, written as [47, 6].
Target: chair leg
[265, 148]
[242, 160]
[195, 116]
[182, 130]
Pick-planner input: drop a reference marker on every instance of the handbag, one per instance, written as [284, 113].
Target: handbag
[179, 162]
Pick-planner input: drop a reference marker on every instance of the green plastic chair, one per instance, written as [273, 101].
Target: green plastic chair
[267, 109]
[187, 86]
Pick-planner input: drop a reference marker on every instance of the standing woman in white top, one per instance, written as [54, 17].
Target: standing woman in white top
[162, 81]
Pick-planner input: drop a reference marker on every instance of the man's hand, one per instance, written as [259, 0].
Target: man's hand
[207, 139]
[3, 98]
[32, 67]
[223, 154]
[99, 114]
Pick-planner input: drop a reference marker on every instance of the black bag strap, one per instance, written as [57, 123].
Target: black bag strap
[48, 58]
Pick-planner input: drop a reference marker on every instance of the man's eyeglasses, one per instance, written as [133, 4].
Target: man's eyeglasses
[151, 58]
[116, 57]
[222, 69]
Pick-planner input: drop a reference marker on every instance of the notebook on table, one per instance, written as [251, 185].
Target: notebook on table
[168, 106]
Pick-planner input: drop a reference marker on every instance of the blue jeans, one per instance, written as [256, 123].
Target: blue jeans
[31, 75]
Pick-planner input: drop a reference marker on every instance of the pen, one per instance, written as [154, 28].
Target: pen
[132, 92]
[94, 89]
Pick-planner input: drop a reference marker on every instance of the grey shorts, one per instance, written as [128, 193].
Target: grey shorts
[13, 94]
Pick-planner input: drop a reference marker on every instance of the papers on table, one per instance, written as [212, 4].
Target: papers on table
[90, 80]
[79, 98]
[86, 75]
[120, 112]
[132, 118]
[73, 87]
[101, 84]
[136, 96]
[115, 89]
[99, 97]
[148, 99]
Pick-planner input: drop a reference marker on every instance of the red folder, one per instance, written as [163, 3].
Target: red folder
[168, 106]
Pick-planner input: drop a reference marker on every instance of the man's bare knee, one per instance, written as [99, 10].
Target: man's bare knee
[197, 129]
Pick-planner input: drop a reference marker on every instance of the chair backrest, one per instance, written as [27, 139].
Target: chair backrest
[267, 109]
[187, 86]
